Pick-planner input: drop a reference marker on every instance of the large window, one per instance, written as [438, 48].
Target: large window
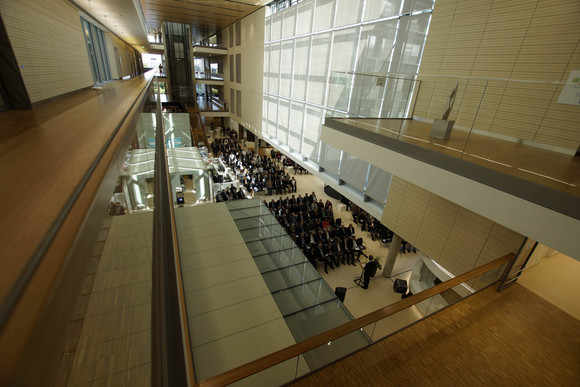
[238, 68]
[311, 45]
[238, 29]
[97, 50]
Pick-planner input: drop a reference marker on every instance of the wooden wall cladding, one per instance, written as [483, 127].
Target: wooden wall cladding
[122, 48]
[528, 40]
[48, 43]
[457, 238]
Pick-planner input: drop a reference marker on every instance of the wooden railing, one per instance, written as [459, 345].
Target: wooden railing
[52, 250]
[297, 349]
[172, 364]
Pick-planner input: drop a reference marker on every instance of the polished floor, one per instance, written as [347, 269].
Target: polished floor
[228, 302]
[490, 339]
[550, 168]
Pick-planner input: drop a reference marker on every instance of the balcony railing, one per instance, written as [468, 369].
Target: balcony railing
[375, 323]
[512, 126]
[116, 315]
[202, 75]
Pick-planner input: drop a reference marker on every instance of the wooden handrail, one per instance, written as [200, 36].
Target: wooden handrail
[172, 363]
[43, 291]
[288, 353]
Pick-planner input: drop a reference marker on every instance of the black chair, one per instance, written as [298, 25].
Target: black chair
[340, 293]
[361, 246]
[338, 222]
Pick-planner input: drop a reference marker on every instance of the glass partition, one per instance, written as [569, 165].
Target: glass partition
[113, 316]
[279, 275]
[511, 126]
[307, 320]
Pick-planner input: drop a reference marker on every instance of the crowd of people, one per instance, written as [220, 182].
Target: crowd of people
[256, 173]
[230, 193]
[312, 226]
[308, 221]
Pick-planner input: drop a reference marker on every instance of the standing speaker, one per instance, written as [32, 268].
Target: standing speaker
[340, 293]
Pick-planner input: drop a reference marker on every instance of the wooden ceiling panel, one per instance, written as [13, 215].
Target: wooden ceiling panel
[205, 17]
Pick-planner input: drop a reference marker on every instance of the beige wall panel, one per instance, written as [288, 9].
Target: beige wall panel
[123, 49]
[251, 87]
[512, 128]
[436, 226]
[554, 136]
[521, 39]
[462, 51]
[394, 201]
[553, 124]
[447, 233]
[47, 40]
[412, 212]
[501, 241]
[558, 7]
[465, 242]
[115, 74]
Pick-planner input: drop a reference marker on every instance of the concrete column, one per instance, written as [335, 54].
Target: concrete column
[392, 256]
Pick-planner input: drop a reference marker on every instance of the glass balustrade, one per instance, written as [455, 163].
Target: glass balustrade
[511, 126]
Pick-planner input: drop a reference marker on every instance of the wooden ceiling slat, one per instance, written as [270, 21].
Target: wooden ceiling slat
[204, 16]
[213, 4]
[182, 11]
[169, 15]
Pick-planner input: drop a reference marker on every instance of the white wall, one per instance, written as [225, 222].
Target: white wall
[252, 57]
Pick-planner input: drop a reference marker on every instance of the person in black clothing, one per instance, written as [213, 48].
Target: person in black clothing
[369, 270]
[346, 254]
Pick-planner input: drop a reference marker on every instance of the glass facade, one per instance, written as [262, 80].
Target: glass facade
[313, 53]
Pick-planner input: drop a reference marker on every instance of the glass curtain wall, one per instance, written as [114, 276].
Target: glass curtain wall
[307, 41]
[313, 45]
[97, 50]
